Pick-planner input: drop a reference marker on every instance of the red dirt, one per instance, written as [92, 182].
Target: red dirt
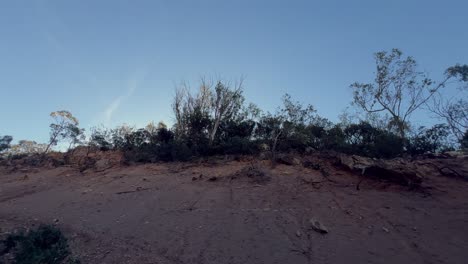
[167, 213]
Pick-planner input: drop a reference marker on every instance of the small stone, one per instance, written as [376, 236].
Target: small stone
[317, 226]
[194, 178]
[385, 229]
[298, 233]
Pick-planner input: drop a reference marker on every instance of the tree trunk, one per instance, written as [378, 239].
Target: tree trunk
[213, 132]
[273, 150]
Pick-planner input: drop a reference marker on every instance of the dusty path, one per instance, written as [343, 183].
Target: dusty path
[159, 214]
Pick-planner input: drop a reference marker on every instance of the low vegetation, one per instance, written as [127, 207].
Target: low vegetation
[217, 120]
[46, 244]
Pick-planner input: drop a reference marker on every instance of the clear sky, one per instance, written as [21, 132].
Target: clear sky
[113, 62]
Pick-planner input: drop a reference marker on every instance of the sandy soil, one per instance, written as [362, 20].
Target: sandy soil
[166, 213]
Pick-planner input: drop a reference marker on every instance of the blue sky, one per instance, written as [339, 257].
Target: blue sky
[113, 62]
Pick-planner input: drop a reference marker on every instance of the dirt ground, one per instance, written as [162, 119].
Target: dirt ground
[198, 213]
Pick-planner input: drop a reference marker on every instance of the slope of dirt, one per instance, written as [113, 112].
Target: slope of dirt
[200, 213]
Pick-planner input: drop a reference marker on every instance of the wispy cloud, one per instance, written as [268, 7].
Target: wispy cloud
[110, 110]
[132, 85]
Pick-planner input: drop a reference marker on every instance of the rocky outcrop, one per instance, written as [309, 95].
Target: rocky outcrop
[288, 159]
[396, 170]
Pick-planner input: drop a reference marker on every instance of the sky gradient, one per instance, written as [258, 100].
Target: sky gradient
[113, 62]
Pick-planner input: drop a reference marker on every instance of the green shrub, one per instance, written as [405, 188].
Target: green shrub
[238, 145]
[5, 142]
[365, 140]
[46, 244]
[432, 140]
[101, 138]
[180, 151]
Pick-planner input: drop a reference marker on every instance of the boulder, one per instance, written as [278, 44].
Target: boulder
[102, 165]
[288, 160]
[311, 165]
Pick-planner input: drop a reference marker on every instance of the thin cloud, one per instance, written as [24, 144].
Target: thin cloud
[132, 85]
[110, 110]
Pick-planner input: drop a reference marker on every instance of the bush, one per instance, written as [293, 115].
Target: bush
[334, 139]
[180, 151]
[432, 140]
[5, 142]
[365, 140]
[46, 244]
[238, 145]
[100, 137]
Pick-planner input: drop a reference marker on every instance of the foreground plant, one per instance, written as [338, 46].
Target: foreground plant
[46, 244]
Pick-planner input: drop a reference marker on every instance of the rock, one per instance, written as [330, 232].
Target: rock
[212, 179]
[255, 173]
[298, 233]
[449, 172]
[453, 154]
[102, 165]
[194, 178]
[317, 226]
[356, 163]
[288, 160]
[311, 165]
[395, 170]
[385, 229]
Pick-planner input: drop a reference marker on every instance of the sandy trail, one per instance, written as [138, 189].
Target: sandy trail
[159, 214]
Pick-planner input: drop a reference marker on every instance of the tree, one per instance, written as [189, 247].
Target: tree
[399, 89]
[288, 122]
[464, 141]
[453, 110]
[28, 147]
[64, 126]
[432, 140]
[212, 105]
[226, 103]
[366, 140]
[100, 138]
[152, 128]
[76, 136]
[5, 142]
[119, 136]
[192, 112]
